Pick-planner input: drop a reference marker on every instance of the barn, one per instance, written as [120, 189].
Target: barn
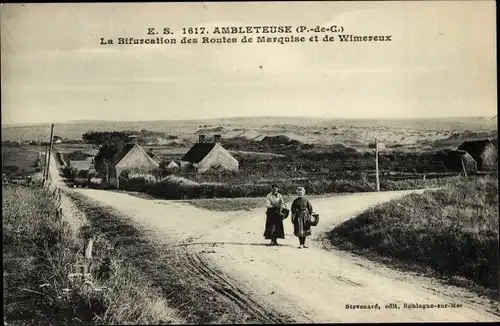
[483, 151]
[206, 155]
[131, 158]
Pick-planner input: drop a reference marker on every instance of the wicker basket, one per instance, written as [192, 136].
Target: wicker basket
[314, 219]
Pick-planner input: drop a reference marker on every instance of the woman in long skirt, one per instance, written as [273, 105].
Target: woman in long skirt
[301, 215]
[274, 220]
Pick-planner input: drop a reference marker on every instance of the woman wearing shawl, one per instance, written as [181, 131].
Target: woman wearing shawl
[301, 214]
[274, 219]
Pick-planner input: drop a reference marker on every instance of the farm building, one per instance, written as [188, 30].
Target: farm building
[131, 158]
[483, 151]
[454, 159]
[205, 155]
[57, 139]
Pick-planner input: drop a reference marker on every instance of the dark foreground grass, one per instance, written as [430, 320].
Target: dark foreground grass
[452, 232]
[196, 301]
[40, 249]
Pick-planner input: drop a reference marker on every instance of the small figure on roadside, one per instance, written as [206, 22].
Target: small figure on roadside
[301, 214]
[274, 218]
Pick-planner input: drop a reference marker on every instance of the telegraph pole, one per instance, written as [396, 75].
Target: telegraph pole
[50, 150]
[376, 164]
[45, 162]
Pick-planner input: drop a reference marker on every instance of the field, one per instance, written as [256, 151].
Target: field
[453, 231]
[20, 161]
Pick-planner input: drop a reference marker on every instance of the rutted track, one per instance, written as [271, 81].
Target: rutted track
[223, 285]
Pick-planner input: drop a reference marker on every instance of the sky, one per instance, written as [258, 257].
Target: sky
[441, 62]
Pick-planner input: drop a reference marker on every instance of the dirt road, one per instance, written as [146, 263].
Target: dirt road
[228, 251]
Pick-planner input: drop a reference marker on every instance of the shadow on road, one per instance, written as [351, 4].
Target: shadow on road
[229, 243]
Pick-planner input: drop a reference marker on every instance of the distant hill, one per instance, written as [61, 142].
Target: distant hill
[186, 129]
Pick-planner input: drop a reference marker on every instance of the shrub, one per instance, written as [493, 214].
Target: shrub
[136, 182]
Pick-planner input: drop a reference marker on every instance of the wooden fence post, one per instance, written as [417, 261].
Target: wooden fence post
[463, 166]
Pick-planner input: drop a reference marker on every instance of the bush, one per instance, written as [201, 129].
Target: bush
[170, 188]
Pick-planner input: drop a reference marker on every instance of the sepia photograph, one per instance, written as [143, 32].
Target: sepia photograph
[260, 162]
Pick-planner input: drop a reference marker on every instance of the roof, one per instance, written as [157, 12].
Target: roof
[155, 157]
[172, 164]
[476, 144]
[121, 154]
[198, 152]
[81, 165]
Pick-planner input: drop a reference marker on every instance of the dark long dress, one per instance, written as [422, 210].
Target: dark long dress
[274, 224]
[301, 213]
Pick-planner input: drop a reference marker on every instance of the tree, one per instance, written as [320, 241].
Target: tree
[104, 158]
[106, 137]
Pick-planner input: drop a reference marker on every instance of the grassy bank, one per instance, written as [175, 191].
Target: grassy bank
[453, 231]
[41, 247]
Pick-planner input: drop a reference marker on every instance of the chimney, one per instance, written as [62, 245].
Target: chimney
[217, 138]
[132, 139]
[201, 138]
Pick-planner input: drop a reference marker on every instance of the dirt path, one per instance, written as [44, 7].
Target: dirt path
[227, 250]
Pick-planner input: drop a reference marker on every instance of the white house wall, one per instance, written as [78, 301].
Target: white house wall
[136, 159]
[218, 155]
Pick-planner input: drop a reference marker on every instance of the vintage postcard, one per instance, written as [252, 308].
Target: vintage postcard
[249, 162]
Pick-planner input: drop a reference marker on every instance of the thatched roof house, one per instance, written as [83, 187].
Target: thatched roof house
[455, 159]
[131, 158]
[205, 155]
[483, 151]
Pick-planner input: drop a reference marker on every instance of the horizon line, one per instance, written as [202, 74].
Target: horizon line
[249, 117]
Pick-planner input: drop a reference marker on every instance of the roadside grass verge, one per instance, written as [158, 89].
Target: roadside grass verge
[451, 232]
[41, 246]
[158, 262]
